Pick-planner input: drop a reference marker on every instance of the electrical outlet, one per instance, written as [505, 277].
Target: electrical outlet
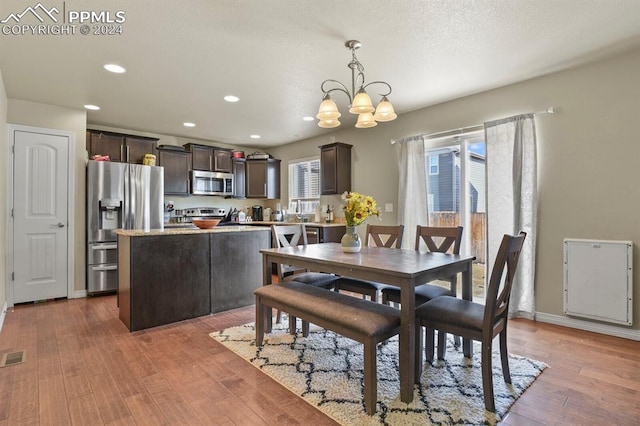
[388, 207]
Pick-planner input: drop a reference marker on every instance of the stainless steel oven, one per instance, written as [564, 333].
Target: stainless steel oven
[211, 183]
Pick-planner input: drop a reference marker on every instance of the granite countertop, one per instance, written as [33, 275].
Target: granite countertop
[318, 224]
[186, 231]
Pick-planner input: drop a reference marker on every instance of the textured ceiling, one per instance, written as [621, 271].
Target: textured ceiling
[182, 57]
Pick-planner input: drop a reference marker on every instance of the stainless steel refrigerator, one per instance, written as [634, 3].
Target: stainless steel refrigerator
[119, 196]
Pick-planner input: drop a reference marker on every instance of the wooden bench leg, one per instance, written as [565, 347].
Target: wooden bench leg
[305, 328]
[292, 325]
[370, 378]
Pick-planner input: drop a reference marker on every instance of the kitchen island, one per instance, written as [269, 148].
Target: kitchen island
[171, 275]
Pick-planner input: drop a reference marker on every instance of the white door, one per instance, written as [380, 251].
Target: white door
[40, 211]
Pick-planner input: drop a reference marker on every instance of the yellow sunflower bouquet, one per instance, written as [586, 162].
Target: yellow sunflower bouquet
[357, 208]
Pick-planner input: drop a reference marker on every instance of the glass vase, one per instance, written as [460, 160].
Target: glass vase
[350, 241]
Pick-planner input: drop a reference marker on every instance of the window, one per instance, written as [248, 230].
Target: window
[434, 166]
[304, 184]
[456, 193]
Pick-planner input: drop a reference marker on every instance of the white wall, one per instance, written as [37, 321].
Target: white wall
[588, 153]
[3, 195]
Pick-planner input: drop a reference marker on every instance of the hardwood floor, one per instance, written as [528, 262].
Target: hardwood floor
[83, 367]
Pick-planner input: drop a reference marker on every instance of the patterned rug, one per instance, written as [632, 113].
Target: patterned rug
[326, 370]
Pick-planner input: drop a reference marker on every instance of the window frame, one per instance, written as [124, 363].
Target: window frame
[311, 201]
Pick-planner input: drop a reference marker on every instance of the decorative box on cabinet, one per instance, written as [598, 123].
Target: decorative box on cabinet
[119, 147]
[176, 170]
[335, 168]
[263, 178]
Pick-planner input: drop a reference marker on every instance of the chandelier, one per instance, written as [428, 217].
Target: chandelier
[360, 103]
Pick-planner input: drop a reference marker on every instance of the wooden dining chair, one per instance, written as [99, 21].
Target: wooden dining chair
[389, 236]
[475, 321]
[437, 239]
[440, 240]
[295, 235]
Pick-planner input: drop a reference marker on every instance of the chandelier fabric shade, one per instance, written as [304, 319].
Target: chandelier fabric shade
[360, 102]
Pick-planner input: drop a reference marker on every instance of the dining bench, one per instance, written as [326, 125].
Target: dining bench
[361, 320]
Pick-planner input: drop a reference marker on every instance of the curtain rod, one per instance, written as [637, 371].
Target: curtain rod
[475, 127]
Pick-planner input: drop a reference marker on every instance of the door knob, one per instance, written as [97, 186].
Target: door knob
[60, 225]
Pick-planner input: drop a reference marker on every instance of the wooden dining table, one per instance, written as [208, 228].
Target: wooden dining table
[399, 267]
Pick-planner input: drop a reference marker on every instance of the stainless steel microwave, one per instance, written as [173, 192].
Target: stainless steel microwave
[211, 183]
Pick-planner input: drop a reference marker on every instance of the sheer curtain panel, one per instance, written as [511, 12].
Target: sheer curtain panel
[412, 187]
[511, 200]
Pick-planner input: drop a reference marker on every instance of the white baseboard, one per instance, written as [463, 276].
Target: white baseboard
[2, 315]
[611, 330]
[79, 294]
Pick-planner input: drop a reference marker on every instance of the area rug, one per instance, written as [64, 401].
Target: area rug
[326, 370]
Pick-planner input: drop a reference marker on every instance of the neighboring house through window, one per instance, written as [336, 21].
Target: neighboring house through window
[434, 164]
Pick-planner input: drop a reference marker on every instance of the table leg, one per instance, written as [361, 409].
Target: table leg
[467, 294]
[266, 280]
[407, 341]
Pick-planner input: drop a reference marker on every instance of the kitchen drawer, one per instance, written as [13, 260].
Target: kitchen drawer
[102, 253]
[102, 278]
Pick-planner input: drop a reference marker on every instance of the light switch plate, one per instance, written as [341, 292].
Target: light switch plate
[388, 207]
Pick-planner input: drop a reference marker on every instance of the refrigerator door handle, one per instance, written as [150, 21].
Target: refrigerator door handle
[104, 246]
[104, 268]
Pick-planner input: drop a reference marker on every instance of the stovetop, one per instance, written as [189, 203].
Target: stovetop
[216, 212]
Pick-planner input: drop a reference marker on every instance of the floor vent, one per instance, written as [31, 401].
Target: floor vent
[13, 358]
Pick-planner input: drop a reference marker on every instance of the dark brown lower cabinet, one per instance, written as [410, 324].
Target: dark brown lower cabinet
[324, 234]
[168, 278]
[236, 268]
[163, 279]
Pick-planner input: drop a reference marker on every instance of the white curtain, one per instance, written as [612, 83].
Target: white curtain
[511, 200]
[412, 187]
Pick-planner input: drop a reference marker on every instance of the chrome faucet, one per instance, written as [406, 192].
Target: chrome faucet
[299, 210]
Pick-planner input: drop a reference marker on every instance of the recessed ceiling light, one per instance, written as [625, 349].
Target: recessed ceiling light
[308, 118]
[114, 68]
[255, 136]
[92, 107]
[187, 124]
[231, 98]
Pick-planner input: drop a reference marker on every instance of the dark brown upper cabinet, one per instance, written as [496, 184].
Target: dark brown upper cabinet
[335, 168]
[210, 158]
[120, 147]
[239, 178]
[263, 178]
[176, 170]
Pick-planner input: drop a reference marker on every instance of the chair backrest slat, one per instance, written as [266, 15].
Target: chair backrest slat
[378, 232]
[288, 236]
[506, 263]
[439, 239]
